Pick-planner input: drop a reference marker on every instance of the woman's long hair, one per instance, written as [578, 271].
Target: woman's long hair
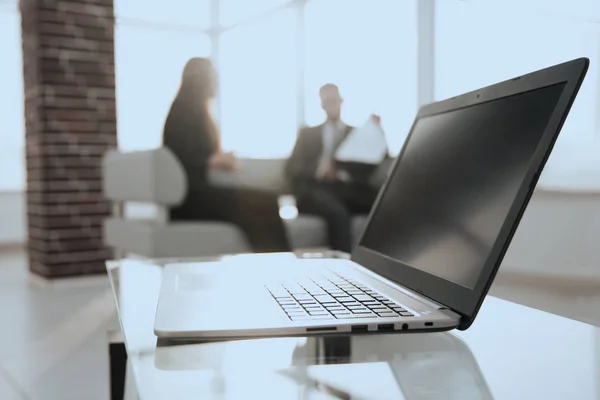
[198, 87]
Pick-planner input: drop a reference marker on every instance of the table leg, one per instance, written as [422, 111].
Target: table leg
[117, 355]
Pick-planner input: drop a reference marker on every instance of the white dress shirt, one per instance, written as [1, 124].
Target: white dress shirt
[332, 133]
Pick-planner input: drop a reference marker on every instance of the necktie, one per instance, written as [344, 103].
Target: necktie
[330, 138]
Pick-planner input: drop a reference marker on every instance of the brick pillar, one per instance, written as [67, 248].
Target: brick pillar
[70, 119]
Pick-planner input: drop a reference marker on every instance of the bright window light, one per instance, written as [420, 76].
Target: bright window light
[12, 127]
[466, 61]
[149, 63]
[369, 49]
[235, 11]
[258, 87]
[174, 12]
[481, 43]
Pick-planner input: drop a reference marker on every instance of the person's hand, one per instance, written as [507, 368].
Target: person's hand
[224, 160]
[376, 118]
[330, 174]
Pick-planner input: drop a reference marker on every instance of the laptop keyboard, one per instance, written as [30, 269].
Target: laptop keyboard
[333, 297]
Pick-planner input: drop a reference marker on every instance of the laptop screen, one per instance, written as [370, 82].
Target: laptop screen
[455, 182]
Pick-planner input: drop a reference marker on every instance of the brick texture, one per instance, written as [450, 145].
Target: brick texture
[70, 120]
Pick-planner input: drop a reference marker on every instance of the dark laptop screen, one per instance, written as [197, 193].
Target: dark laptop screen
[455, 183]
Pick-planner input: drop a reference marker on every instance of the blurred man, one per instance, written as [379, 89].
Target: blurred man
[323, 186]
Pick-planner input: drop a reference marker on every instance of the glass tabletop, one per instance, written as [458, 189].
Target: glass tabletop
[510, 352]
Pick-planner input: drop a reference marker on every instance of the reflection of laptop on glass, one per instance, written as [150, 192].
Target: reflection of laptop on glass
[417, 367]
[435, 237]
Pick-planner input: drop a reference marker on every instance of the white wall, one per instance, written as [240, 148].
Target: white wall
[12, 218]
[558, 236]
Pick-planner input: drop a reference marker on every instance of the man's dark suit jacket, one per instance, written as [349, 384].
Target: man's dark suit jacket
[302, 165]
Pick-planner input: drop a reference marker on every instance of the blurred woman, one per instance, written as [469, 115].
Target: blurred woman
[191, 134]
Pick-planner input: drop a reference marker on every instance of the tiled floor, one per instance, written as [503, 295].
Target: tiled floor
[53, 335]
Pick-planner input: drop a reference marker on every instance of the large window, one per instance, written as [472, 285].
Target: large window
[149, 63]
[258, 86]
[174, 13]
[367, 48]
[370, 51]
[12, 123]
[153, 41]
[273, 55]
[480, 43]
[236, 11]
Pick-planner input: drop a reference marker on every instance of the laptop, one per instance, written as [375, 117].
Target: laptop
[434, 240]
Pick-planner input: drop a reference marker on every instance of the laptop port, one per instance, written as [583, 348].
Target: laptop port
[404, 327]
[385, 327]
[360, 328]
[322, 329]
[428, 323]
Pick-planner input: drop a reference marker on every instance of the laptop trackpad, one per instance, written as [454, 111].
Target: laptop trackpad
[222, 290]
[219, 301]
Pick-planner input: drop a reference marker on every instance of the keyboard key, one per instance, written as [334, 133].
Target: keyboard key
[309, 310]
[387, 314]
[354, 293]
[291, 307]
[287, 302]
[334, 306]
[377, 307]
[397, 308]
[325, 299]
[303, 297]
[363, 297]
[297, 291]
[296, 313]
[278, 291]
[346, 299]
[344, 316]
[311, 301]
[372, 303]
[406, 314]
[343, 294]
[342, 311]
[318, 312]
[361, 311]
[354, 305]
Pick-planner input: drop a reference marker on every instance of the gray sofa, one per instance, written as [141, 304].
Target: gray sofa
[155, 179]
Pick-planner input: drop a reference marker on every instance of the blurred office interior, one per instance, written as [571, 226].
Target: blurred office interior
[388, 57]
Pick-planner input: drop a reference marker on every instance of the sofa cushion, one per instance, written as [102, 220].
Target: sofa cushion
[359, 222]
[306, 231]
[180, 239]
[256, 174]
[309, 231]
[194, 239]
